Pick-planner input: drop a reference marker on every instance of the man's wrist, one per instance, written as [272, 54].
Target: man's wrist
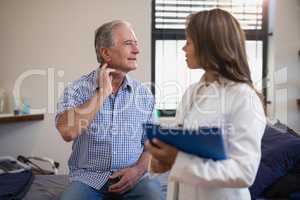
[101, 93]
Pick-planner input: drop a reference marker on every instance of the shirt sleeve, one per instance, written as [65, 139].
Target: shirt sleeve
[70, 98]
[244, 150]
[151, 119]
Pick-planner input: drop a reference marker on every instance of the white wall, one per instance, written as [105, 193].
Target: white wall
[284, 62]
[57, 34]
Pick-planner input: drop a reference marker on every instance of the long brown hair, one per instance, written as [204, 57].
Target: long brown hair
[219, 44]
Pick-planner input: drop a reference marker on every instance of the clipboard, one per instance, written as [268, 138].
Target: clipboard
[205, 142]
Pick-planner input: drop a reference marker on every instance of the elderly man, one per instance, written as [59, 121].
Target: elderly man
[103, 113]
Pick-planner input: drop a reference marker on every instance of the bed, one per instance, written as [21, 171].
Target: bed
[278, 175]
[49, 187]
[46, 187]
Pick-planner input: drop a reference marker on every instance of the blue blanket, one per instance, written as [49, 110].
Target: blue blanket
[15, 185]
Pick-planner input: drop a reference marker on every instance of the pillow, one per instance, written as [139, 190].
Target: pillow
[285, 128]
[280, 153]
[294, 196]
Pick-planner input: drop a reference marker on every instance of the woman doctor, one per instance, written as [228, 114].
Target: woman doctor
[224, 97]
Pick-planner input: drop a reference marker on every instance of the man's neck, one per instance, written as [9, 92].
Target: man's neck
[117, 81]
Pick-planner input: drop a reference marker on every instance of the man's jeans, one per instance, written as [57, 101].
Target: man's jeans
[146, 189]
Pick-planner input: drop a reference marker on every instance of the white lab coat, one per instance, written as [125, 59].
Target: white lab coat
[237, 109]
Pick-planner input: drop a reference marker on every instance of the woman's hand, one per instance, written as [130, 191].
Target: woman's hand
[163, 155]
[159, 167]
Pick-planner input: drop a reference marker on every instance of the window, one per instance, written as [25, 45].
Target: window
[169, 71]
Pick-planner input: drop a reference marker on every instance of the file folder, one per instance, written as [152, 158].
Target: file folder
[205, 142]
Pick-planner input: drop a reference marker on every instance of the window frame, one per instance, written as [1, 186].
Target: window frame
[179, 34]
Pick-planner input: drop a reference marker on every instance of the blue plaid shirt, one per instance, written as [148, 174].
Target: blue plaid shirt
[115, 138]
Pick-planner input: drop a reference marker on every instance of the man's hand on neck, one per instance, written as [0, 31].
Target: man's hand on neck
[117, 80]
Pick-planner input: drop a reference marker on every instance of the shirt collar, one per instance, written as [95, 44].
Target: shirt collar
[127, 83]
[220, 81]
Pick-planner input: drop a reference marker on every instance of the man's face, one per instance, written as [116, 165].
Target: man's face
[123, 56]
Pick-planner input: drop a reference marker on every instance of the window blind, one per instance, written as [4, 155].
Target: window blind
[171, 14]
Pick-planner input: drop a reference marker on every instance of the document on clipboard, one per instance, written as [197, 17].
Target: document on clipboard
[205, 142]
